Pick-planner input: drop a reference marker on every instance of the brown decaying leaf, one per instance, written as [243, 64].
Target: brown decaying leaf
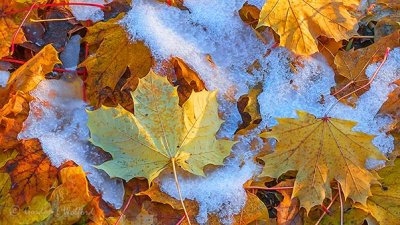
[392, 104]
[31, 172]
[249, 108]
[351, 66]
[187, 80]
[114, 55]
[12, 116]
[329, 48]
[288, 211]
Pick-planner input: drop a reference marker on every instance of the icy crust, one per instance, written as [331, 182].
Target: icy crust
[87, 12]
[285, 92]
[211, 27]
[58, 119]
[220, 192]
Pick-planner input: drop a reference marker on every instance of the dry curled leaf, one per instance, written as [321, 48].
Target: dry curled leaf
[392, 104]
[12, 116]
[321, 150]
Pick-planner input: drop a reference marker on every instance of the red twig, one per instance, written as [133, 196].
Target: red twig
[125, 208]
[169, 2]
[181, 220]
[55, 5]
[327, 209]
[365, 85]
[268, 189]
[19, 28]
[16, 61]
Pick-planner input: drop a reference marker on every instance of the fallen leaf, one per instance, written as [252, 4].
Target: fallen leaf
[351, 65]
[28, 76]
[384, 203]
[70, 198]
[31, 172]
[392, 104]
[12, 116]
[288, 211]
[249, 108]
[328, 47]
[10, 213]
[187, 79]
[300, 22]
[321, 150]
[144, 144]
[114, 55]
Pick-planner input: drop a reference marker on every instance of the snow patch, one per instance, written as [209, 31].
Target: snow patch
[87, 12]
[4, 75]
[58, 119]
[220, 192]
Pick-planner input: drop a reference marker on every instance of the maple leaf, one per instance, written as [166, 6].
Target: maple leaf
[29, 75]
[300, 22]
[160, 132]
[321, 149]
[351, 65]
[31, 172]
[12, 116]
[384, 203]
[71, 196]
[288, 210]
[114, 55]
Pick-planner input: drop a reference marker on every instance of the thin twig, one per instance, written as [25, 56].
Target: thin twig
[324, 213]
[341, 204]
[179, 191]
[365, 85]
[16, 61]
[19, 29]
[181, 220]
[368, 37]
[125, 208]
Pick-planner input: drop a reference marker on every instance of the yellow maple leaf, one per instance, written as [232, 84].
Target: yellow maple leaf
[300, 22]
[384, 203]
[29, 75]
[114, 55]
[144, 144]
[321, 150]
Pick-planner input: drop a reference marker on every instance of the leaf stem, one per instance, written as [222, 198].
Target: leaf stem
[179, 190]
[341, 204]
[181, 220]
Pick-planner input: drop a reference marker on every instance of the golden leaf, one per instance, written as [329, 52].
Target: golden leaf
[321, 150]
[114, 55]
[300, 22]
